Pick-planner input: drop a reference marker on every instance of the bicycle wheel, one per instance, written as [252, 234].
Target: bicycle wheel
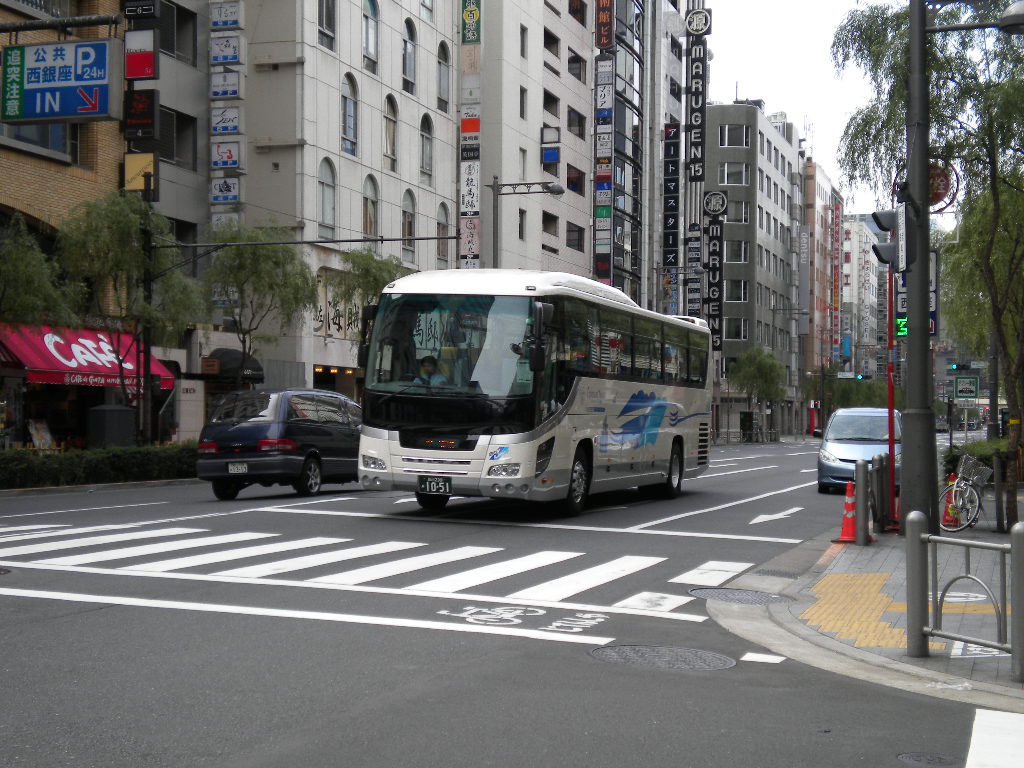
[959, 505]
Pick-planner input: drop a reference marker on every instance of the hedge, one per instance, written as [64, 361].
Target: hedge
[983, 450]
[28, 469]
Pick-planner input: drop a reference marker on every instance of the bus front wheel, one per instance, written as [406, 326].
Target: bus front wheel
[579, 482]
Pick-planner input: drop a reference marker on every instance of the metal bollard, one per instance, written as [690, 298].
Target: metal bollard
[916, 524]
[1017, 597]
[860, 484]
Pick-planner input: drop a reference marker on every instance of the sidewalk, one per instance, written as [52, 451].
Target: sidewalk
[843, 608]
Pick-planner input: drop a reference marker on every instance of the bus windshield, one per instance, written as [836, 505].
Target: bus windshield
[451, 345]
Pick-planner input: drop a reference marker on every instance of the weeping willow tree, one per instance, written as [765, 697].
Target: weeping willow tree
[976, 100]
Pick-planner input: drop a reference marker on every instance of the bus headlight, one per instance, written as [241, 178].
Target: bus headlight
[503, 470]
[372, 462]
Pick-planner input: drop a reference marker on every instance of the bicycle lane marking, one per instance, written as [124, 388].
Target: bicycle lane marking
[508, 621]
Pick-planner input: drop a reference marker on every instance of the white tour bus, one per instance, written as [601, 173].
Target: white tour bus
[528, 385]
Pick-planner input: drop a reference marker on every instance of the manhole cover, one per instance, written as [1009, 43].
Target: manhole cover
[923, 758]
[748, 596]
[663, 657]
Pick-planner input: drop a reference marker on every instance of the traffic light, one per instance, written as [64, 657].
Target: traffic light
[894, 252]
[959, 366]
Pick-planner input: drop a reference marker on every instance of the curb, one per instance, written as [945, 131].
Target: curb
[776, 627]
[54, 489]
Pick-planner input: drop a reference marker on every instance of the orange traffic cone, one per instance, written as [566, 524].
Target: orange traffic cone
[949, 515]
[848, 534]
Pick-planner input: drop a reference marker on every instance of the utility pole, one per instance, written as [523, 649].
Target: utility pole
[145, 389]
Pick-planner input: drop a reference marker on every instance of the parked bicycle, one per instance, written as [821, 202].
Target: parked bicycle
[960, 504]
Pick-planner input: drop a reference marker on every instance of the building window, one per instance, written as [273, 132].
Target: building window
[578, 10]
[734, 135]
[409, 58]
[736, 290]
[327, 20]
[738, 212]
[444, 77]
[442, 231]
[524, 41]
[58, 138]
[573, 236]
[675, 90]
[427, 10]
[522, 224]
[736, 328]
[349, 116]
[177, 138]
[552, 43]
[522, 102]
[178, 32]
[577, 66]
[325, 190]
[370, 35]
[549, 223]
[734, 173]
[737, 251]
[426, 151]
[575, 123]
[390, 135]
[575, 179]
[551, 103]
[370, 204]
[408, 227]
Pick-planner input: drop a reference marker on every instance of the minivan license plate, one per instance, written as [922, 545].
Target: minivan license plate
[437, 484]
[237, 468]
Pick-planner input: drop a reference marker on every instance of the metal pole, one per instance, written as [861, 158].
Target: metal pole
[1017, 611]
[917, 584]
[860, 485]
[145, 392]
[920, 465]
[495, 214]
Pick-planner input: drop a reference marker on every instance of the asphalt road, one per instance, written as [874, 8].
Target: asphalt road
[154, 626]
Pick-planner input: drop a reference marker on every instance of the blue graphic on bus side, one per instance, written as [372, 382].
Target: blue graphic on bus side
[643, 428]
[497, 454]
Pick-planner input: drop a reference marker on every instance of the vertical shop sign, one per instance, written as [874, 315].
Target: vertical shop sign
[698, 26]
[469, 136]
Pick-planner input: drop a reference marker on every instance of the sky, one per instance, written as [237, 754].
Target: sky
[780, 52]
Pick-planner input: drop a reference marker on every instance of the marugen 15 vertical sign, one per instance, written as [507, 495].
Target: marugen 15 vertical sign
[698, 26]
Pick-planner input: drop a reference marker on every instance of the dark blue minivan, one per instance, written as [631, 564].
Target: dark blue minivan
[297, 437]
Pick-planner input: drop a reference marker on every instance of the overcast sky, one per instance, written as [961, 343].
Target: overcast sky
[780, 52]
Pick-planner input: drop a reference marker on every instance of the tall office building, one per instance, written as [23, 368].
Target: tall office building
[860, 320]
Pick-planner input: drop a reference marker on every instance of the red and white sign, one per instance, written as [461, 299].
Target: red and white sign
[140, 54]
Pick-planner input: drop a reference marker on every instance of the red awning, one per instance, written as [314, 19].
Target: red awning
[79, 357]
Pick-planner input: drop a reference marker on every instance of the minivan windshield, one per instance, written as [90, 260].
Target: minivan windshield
[244, 406]
[868, 427]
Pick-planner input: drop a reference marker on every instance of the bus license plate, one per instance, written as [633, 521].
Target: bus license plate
[437, 484]
[238, 468]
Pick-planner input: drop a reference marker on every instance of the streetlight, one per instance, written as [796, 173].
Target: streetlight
[514, 188]
[920, 461]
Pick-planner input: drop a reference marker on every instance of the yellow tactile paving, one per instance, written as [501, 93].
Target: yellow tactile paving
[850, 606]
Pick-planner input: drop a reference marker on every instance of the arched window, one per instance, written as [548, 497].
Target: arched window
[443, 246]
[349, 116]
[390, 134]
[370, 17]
[409, 58]
[408, 227]
[444, 77]
[426, 151]
[325, 191]
[370, 203]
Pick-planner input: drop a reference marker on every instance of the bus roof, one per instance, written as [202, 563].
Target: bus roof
[523, 282]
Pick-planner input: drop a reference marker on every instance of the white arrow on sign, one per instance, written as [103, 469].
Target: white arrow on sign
[776, 516]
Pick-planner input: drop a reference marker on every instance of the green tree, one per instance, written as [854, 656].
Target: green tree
[977, 116]
[759, 376]
[261, 287]
[30, 291]
[103, 250]
[364, 277]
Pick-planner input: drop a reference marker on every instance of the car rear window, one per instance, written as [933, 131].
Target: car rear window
[245, 406]
[860, 426]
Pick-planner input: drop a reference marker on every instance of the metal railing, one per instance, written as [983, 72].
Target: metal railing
[923, 575]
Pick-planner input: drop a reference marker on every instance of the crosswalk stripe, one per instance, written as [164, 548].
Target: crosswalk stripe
[995, 738]
[10, 528]
[152, 549]
[566, 586]
[206, 558]
[323, 558]
[49, 534]
[711, 573]
[488, 573]
[89, 541]
[654, 601]
[395, 567]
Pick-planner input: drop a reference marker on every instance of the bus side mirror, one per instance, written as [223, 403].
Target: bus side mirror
[538, 356]
[543, 312]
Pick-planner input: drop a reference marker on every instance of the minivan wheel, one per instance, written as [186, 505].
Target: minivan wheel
[225, 490]
[310, 479]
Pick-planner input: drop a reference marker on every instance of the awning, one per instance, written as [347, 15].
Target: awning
[79, 357]
[230, 361]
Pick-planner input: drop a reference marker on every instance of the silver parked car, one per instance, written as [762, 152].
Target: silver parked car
[854, 434]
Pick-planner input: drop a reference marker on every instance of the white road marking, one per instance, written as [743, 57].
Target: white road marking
[574, 583]
[720, 506]
[764, 658]
[654, 601]
[997, 740]
[84, 509]
[712, 573]
[348, 618]
[488, 573]
[405, 565]
[152, 549]
[804, 453]
[89, 541]
[323, 558]
[734, 472]
[802, 471]
[777, 516]
[206, 558]
[10, 528]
